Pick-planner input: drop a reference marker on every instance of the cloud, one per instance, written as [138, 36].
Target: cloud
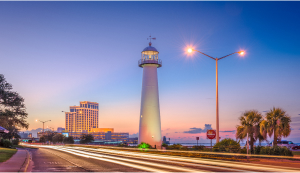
[229, 131]
[134, 135]
[265, 111]
[177, 132]
[298, 114]
[199, 130]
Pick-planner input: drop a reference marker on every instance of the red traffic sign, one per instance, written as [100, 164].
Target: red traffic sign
[197, 138]
[211, 134]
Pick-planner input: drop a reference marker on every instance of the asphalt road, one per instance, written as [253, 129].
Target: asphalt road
[81, 159]
[49, 160]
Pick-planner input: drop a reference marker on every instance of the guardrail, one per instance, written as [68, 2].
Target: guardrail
[147, 61]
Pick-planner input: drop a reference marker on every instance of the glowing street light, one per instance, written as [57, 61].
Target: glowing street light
[190, 50]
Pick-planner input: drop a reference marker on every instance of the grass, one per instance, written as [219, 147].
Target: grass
[6, 153]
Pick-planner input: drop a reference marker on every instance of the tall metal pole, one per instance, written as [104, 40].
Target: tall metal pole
[43, 128]
[217, 96]
[217, 103]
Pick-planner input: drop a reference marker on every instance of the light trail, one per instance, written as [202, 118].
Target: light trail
[114, 161]
[72, 151]
[168, 161]
[205, 163]
[238, 165]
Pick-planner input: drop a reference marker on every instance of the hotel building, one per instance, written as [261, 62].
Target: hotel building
[82, 118]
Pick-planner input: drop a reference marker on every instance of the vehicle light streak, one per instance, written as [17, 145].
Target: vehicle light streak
[72, 151]
[182, 163]
[114, 161]
[222, 163]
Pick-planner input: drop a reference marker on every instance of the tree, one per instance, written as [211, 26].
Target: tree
[13, 132]
[86, 138]
[68, 140]
[49, 135]
[12, 107]
[276, 122]
[42, 139]
[250, 123]
[58, 138]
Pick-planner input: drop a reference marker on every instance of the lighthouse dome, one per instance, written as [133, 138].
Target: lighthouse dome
[150, 48]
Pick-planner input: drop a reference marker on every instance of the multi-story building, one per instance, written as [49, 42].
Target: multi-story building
[82, 118]
[60, 129]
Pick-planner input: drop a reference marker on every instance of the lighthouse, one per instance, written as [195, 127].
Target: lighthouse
[150, 128]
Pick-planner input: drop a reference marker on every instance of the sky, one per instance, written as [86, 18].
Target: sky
[56, 54]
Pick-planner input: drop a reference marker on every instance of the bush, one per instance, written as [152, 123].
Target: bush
[227, 145]
[200, 147]
[86, 138]
[164, 145]
[243, 150]
[257, 149]
[58, 138]
[144, 145]
[15, 141]
[276, 150]
[6, 143]
[68, 140]
[42, 139]
[175, 146]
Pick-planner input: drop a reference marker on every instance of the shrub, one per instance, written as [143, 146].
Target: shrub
[276, 150]
[6, 143]
[164, 145]
[68, 140]
[144, 145]
[243, 150]
[227, 145]
[175, 146]
[257, 149]
[200, 147]
[15, 141]
[86, 138]
[42, 139]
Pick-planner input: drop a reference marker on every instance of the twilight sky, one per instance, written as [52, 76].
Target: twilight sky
[56, 54]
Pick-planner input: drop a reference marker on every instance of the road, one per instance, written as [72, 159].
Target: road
[81, 159]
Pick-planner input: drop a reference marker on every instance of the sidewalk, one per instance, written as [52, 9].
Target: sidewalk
[17, 163]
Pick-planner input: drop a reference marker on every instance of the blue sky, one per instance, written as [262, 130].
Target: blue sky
[59, 53]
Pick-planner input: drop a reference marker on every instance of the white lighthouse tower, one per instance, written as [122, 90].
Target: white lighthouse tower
[150, 128]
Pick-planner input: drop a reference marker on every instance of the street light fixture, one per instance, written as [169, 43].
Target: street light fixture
[190, 50]
[43, 124]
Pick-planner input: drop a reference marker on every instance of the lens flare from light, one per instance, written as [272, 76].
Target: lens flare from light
[242, 53]
[190, 50]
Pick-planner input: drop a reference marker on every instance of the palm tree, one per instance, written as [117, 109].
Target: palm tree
[277, 122]
[250, 123]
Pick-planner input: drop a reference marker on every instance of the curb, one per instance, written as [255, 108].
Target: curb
[26, 163]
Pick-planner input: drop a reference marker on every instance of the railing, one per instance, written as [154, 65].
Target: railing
[148, 61]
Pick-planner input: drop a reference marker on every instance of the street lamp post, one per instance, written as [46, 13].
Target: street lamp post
[43, 124]
[217, 92]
